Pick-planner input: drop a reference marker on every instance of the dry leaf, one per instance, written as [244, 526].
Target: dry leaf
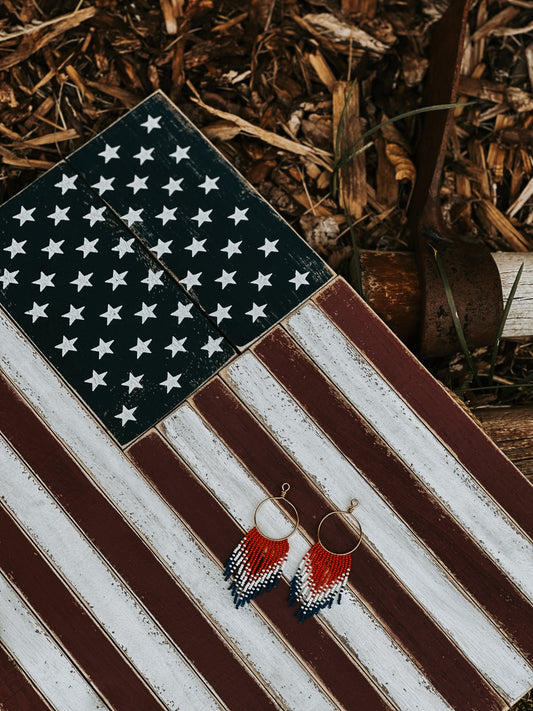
[403, 166]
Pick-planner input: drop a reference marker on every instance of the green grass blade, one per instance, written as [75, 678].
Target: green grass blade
[503, 320]
[455, 316]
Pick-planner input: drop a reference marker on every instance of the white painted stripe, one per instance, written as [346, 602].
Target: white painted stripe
[53, 673]
[479, 639]
[110, 602]
[131, 494]
[416, 445]
[239, 493]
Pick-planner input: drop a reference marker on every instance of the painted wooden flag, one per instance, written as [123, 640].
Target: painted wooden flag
[113, 542]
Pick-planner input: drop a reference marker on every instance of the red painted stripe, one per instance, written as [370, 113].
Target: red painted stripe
[128, 554]
[362, 446]
[219, 532]
[87, 645]
[430, 401]
[16, 692]
[439, 659]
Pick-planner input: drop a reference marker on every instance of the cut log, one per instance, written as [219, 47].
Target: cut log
[512, 430]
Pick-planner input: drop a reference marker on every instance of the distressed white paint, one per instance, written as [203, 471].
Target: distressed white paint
[239, 493]
[110, 602]
[52, 672]
[287, 679]
[474, 634]
[520, 318]
[421, 450]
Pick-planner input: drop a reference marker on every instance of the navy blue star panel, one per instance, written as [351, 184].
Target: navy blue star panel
[116, 326]
[229, 249]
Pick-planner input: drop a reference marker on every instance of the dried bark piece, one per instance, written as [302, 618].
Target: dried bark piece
[338, 31]
[404, 168]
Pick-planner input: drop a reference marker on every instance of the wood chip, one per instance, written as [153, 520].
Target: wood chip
[56, 137]
[322, 69]
[501, 19]
[521, 200]
[404, 168]
[338, 31]
[507, 230]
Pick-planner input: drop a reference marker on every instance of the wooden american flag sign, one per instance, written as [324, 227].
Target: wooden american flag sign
[171, 352]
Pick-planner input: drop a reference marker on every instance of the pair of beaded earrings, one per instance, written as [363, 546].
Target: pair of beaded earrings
[256, 564]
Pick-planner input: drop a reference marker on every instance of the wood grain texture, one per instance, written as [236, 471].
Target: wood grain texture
[16, 692]
[430, 401]
[440, 661]
[360, 631]
[52, 672]
[204, 514]
[416, 445]
[520, 318]
[346, 427]
[472, 632]
[162, 595]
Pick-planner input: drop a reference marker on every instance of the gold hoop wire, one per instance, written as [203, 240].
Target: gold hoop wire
[353, 504]
[284, 489]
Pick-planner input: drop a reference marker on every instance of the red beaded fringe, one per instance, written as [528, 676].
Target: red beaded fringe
[255, 565]
[320, 578]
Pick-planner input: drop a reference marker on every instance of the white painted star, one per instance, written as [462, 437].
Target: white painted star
[176, 346]
[133, 381]
[9, 278]
[82, 280]
[24, 215]
[256, 312]
[66, 345]
[238, 215]
[180, 153]
[132, 216]
[59, 215]
[173, 185]
[126, 415]
[141, 347]
[202, 216]
[197, 245]
[138, 184]
[16, 248]
[221, 313]
[153, 279]
[171, 382]
[88, 247]
[262, 280]
[212, 345]
[269, 246]
[97, 379]
[209, 184]
[123, 247]
[144, 154]
[95, 215]
[103, 185]
[44, 280]
[167, 214]
[182, 312]
[151, 123]
[103, 348]
[232, 248]
[191, 280]
[117, 279]
[66, 183]
[226, 278]
[37, 311]
[111, 314]
[53, 248]
[146, 312]
[161, 248]
[299, 279]
[109, 152]
[74, 314]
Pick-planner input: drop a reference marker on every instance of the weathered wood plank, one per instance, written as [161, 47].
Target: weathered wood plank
[130, 557]
[429, 400]
[44, 662]
[186, 492]
[431, 522]
[239, 493]
[440, 661]
[91, 650]
[15, 689]
[477, 637]
[119, 613]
